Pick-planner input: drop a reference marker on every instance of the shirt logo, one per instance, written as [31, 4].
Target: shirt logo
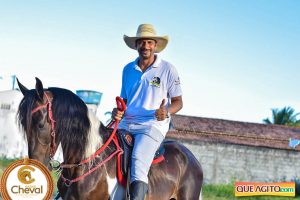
[155, 81]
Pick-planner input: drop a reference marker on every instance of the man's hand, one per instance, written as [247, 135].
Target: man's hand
[117, 115]
[162, 112]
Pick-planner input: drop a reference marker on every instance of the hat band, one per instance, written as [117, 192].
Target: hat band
[146, 34]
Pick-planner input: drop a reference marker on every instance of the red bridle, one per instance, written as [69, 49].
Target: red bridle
[48, 104]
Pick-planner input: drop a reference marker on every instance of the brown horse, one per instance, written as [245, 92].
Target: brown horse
[57, 116]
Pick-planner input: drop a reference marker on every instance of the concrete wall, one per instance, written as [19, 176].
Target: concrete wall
[224, 163]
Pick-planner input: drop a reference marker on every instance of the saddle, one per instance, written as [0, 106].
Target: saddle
[126, 142]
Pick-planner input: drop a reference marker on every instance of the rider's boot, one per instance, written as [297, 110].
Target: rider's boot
[138, 190]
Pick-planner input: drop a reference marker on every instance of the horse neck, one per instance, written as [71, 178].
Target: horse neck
[95, 140]
[98, 134]
[72, 154]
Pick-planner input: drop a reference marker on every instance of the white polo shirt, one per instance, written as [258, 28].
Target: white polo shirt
[145, 91]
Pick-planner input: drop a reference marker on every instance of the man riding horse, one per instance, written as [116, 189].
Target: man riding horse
[52, 116]
[152, 92]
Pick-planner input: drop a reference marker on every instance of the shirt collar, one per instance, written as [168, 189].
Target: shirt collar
[156, 63]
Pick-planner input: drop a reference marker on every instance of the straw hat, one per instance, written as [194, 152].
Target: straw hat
[147, 31]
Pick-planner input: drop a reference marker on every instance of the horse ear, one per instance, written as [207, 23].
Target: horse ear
[39, 89]
[23, 89]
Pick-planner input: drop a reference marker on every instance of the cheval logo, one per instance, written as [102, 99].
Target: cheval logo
[24, 175]
[26, 179]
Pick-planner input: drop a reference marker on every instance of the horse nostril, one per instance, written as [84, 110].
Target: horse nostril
[41, 125]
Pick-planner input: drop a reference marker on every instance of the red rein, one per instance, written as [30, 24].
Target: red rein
[120, 105]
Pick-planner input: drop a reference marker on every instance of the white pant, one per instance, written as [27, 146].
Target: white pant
[146, 143]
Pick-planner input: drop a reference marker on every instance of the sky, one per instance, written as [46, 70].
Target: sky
[236, 59]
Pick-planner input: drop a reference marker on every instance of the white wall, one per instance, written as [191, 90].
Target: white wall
[12, 143]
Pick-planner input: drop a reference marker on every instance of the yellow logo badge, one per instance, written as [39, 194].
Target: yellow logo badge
[24, 175]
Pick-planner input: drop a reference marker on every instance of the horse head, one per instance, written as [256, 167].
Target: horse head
[52, 116]
[35, 121]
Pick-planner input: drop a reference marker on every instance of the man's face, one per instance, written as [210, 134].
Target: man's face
[146, 48]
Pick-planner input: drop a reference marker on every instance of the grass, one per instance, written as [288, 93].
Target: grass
[4, 162]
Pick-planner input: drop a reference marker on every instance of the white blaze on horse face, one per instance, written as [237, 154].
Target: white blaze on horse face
[94, 140]
[115, 190]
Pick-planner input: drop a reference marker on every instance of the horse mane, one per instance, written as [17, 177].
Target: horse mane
[70, 113]
[72, 120]
[24, 113]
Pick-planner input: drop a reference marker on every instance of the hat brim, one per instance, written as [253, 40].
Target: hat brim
[162, 41]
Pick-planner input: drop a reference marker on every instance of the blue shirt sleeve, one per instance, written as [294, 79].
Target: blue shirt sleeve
[123, 91]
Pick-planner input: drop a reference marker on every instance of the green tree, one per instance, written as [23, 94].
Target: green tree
[284, 116]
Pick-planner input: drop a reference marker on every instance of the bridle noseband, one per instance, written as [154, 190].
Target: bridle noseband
[48, 104]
